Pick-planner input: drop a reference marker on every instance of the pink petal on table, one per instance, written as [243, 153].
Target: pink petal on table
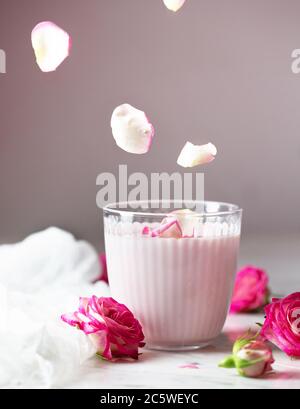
[194, 155]
[131, 129]
[174, 5]
[51, 45]
[192, 365]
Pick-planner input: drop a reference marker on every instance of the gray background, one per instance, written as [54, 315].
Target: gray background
[216, 71]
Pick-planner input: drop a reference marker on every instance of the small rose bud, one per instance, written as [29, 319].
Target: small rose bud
[252, 358]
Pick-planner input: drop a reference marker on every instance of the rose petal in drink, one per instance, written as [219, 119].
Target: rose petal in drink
[187, 221]
[51, 45]
[174, 5]
[169, 228]
[194, 155]
[131, 129]
[146, 231]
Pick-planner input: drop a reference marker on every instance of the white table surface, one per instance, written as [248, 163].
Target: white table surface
[281, 257]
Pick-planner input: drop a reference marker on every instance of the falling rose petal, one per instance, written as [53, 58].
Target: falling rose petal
[174, 5]
[194, 155]
[131, 129]
[51, 45]
[169, 228]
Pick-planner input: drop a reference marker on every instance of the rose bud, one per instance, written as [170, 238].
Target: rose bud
[250, 290]
[131, 129]
[251, 357]
[110, 326]
[193, 155]
[282, 324]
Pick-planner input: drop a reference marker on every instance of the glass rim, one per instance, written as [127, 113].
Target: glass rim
[232, 208]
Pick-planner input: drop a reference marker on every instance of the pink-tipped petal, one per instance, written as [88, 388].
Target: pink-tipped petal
[193, 155]
[146, 231]
[51, 45]
[168, 228]
[71, 319]
[174, 5]
[187, 221]
[131, 129]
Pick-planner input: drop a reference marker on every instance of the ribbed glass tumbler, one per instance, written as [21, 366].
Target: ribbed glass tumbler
[179, 288]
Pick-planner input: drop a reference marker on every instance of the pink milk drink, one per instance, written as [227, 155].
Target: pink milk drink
[176, 278]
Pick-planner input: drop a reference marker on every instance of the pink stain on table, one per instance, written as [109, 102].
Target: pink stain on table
[192, 365]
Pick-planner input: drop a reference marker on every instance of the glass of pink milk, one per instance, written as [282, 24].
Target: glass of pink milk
[178, 287]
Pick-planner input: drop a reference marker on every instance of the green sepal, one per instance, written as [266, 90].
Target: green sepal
[228, 362]
[243, 363]
[239, 344]
[243, 341]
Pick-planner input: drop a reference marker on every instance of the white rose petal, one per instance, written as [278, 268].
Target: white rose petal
[194, 155]
[174, 5]
[51, 45]
[131, 129]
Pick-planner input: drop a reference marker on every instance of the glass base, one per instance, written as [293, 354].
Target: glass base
[178, 348]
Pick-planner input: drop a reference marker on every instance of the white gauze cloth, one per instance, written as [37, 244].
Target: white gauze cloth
[41, 278]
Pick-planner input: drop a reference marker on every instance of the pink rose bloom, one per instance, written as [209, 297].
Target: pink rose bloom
[282, 324]
[250, 290]
[111, 327]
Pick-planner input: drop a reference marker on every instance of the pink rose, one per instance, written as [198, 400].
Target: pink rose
[251, 357]
[110, 326]
[282, 324]
[250, 290]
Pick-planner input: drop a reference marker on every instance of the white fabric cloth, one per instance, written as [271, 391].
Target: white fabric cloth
[40, 279]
